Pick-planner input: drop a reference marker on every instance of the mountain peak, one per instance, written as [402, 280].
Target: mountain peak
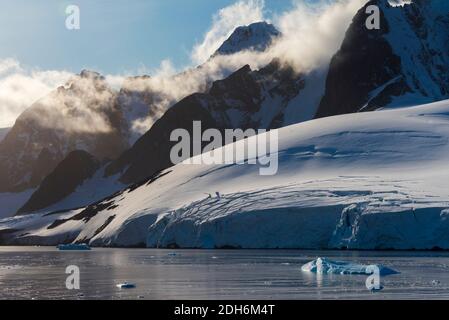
[256, 36]
[88, 74]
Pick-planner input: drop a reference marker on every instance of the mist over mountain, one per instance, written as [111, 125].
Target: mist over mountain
[81, 115]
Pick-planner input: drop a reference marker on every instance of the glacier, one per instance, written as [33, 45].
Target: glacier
[374, 180]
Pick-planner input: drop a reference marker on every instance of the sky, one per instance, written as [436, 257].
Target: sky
[115, 36]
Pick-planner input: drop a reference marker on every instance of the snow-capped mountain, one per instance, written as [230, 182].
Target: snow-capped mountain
[405, 62]
[367, 180]
[3, 133]
[256, 36]
[69, 174]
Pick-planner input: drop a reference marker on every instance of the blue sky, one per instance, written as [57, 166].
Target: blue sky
[116, 36]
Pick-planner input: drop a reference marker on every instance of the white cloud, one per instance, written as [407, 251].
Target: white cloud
[224, 22]
[313, 31]
[20, 88]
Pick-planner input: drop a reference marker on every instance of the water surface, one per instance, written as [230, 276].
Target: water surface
[39, 273]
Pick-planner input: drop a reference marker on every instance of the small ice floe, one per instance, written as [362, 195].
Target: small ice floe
[74, 246]
[435, 283]
[126, 285]
[325, 266]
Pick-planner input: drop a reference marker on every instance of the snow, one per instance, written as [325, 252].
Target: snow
[422, 49]
[91, 190]
[325, 266]
[373, 180]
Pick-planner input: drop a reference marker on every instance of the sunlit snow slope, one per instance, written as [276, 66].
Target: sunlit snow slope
[369, 180]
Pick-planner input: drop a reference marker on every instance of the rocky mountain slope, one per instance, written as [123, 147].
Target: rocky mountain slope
[405, 62]
[246, 99]
[69, 174]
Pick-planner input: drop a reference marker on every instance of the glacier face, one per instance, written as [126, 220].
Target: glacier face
[360, 181]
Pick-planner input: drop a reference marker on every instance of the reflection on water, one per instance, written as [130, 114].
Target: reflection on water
[39, 273]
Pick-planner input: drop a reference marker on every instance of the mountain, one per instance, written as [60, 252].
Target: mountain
[65, 178]
[403, 63]
[48, 131]
[256, 36]
[358, 181]
[343, 182]
[245, 99]
[81, 115]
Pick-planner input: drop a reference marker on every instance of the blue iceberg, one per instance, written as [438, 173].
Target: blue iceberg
[74, 246]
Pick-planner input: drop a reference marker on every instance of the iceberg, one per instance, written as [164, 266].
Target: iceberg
[325, 266]
[74, 246]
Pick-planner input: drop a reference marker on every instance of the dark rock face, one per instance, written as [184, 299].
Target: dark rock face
[62, 181]
[405, 62]
[364, 62]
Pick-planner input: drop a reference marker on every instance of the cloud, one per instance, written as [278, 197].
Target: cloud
[224, 23]
[20, 88]
[313, 31]
[83, 105]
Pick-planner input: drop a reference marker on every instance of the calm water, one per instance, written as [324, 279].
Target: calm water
[39, 273]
